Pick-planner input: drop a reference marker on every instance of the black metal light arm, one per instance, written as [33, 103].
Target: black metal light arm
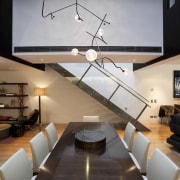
[74, 4]
[97, 38]
[53, 12]
[93, 14]
[94, 37]
[102, 59]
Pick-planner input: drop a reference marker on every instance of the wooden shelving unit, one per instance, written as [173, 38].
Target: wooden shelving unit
[19, 95]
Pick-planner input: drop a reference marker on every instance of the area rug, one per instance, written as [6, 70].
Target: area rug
[7, 140]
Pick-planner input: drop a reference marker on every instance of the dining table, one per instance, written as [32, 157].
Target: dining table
[110, 161]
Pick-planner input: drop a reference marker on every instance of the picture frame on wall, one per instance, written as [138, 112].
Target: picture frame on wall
[176, 84]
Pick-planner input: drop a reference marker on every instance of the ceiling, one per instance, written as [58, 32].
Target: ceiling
[10, 65]
[6, 64]
[69, 58]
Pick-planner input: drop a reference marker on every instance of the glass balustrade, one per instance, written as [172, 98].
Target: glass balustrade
[109, 86]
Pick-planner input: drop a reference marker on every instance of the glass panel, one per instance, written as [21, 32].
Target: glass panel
[108, 86]
[99, 82]
[77, 69]
[127, 102]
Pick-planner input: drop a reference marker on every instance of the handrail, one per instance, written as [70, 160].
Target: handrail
[120, 85]
[119, 82]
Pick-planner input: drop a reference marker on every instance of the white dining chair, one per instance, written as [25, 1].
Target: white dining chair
[161, 167]
[52, 135]
[90, 118]
[17, 167]
[40, 151]
[139, 152]
[128, 136]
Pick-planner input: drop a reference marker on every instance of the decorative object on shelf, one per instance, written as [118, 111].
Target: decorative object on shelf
[13, 102]
[3, 82]
[2, 90]
[91, 53]
[40, 92]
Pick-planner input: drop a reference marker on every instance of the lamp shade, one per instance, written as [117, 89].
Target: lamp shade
[39, 91]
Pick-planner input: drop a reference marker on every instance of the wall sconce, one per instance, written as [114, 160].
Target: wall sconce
[39, 92]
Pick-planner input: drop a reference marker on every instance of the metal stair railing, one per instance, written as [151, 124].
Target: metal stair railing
[119, 97]
[143, 102]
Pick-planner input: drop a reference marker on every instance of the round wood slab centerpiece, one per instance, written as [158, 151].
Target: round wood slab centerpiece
[90, 139]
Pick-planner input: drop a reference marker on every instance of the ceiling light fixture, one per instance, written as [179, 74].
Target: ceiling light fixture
[75, 51]
[77, 17]
[91, 55]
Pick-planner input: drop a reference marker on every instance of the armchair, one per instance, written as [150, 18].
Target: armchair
[165, 113]
[31, 119]
[174, 124]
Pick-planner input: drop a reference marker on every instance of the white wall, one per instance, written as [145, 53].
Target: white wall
[133, 23]
[156, 83]
[108, 87]
[65, 102]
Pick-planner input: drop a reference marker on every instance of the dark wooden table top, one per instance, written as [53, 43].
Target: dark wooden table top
[68, 162]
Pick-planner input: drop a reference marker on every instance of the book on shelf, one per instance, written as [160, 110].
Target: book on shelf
[10, 94]
[4, 118]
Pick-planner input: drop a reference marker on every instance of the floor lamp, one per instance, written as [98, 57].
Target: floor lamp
[39, 92]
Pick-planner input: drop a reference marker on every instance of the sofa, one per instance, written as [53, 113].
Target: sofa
[4, 130]
[174, 125]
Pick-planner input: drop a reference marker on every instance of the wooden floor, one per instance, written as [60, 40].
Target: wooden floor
[157, 136]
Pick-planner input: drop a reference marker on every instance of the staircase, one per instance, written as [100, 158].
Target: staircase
[108, 100]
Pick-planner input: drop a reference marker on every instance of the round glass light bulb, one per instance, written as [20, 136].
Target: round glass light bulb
[78, 18]
[101, 32]
[75, 51]
[91, 55]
